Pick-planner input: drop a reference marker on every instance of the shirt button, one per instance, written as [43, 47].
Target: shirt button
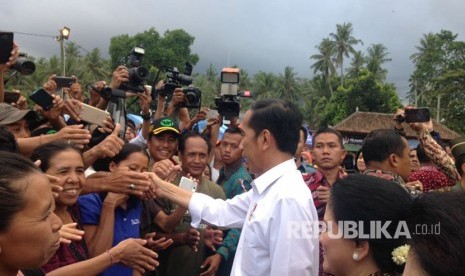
[124, 219]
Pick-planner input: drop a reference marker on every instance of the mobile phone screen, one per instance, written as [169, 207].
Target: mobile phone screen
[11, 97]
[6, 46]
[64, 81]
[42, 98]
[417, 115]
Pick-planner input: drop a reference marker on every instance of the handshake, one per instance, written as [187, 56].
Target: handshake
[160, 182]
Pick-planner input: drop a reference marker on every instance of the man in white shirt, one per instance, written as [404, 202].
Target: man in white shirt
[270, 243]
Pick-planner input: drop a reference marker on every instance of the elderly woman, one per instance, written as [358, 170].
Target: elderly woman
[365, 219]
[29, 229]
[64, 161]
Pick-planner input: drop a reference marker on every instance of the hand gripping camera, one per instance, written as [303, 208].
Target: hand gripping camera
[174, 79]
[137, 73]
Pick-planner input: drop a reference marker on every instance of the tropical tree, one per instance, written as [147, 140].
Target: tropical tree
[366, 92]
[95, 67]
[324, 61]
[287, 86]
[263, 85]
[167, 51]
[356, 64]
[377, 56]
[344, 43]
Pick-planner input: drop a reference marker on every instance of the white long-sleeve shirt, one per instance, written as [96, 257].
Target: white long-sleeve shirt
[270, 215]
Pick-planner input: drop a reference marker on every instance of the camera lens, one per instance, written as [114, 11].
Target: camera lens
[24, 66]
[138, 73]
[191, 97]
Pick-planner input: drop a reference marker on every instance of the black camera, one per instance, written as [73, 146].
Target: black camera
[23, 65]
[193, 97]
[174, 79]
[137, 73]
[228, 106]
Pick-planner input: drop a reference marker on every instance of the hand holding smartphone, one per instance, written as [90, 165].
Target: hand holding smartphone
[212, 113]
[93, 115]
[42, 98]
[187, 184]
[64, 81]
[417, 115]
[11, 97]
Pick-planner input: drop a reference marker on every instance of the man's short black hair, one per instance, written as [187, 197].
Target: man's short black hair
[190, 134]
[233, 130]
[329, 130]
[282, 118]
[381, 143]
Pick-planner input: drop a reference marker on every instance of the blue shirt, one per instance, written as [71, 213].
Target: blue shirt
[126, 224]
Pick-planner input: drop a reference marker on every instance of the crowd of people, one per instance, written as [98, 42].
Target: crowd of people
[177, 195]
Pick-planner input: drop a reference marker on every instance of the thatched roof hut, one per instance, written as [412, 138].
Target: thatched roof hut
[362, 123]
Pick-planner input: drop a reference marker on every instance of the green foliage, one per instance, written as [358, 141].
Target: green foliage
[439, 68]
[170, 50]
[344, 43]
[365, 92]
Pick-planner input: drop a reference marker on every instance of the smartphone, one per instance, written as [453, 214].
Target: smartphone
[93, 115]
[187, 184]
[64, 81]
[212, 113]
[6, 46]
[42, 98]
[11, 97]
[417, 115]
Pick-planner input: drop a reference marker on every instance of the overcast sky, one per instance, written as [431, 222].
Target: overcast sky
[256, 35]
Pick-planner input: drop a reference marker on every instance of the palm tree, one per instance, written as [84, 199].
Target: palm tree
[264, 85]
[244, 81]
[95, 67]
[377, 55]
[344, 45]
[356, 64]
[287, 86]
[324, 62]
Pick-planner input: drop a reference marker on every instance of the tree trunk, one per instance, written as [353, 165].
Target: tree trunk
[342, 72]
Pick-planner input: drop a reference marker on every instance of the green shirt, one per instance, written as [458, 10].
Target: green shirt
[181, 260]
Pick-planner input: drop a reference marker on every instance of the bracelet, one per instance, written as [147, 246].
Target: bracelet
[111, 257]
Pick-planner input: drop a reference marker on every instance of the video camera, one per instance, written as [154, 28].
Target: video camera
[227, 103]
[137, 73]
[174, 79]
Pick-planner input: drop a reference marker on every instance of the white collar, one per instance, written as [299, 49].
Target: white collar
[270, 176]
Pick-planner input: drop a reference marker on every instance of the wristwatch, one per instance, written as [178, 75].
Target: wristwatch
[146, 116]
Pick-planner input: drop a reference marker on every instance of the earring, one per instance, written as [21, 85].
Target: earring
[355, 256]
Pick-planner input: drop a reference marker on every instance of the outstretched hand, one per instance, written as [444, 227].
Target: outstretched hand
[69, 233]
[212, 237]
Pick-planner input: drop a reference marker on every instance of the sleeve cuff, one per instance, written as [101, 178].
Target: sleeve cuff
[196, 206]
[224, 252]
